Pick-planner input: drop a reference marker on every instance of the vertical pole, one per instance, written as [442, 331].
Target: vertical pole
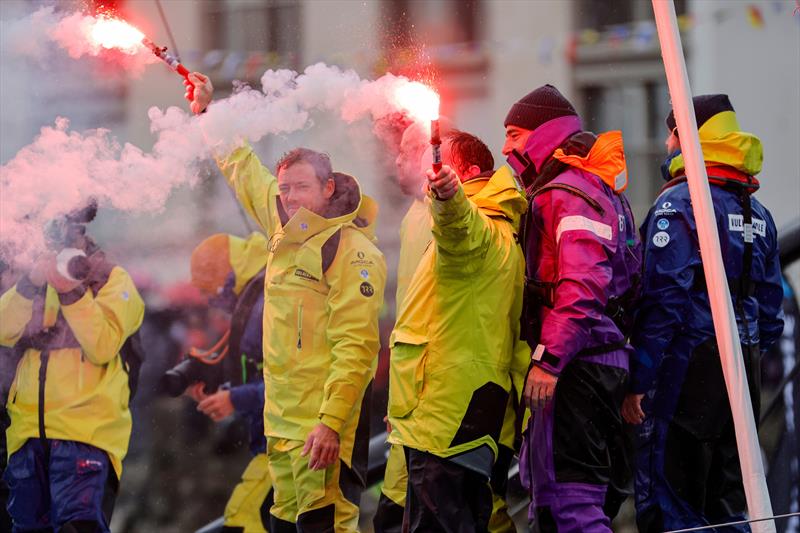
[755, 485]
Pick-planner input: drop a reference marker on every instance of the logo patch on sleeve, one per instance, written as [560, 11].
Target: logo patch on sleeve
[662, 224]
[367, 289]
[661, 239]
[362, 260]
[666, 210]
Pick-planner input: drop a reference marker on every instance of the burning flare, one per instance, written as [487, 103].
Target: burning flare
[418, 100]
[109, 32]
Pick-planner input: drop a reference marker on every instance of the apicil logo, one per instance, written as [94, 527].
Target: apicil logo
[666, 205]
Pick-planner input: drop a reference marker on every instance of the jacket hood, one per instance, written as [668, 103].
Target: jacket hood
[497, 194]
[723, 144]
[543, 141]
[347, 206]
[606, 160]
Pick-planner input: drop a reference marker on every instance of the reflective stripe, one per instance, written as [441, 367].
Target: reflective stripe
[580, 222]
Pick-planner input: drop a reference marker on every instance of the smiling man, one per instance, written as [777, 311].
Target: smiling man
[323, 290]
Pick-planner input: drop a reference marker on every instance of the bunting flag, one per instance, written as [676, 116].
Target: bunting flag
[644, 35]
[755, 17]
[571, 50]
[547, 45]
[589, 37]
[685, 22]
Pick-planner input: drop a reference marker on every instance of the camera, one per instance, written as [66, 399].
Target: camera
[192, 370]
[69, 231]
[66, 235]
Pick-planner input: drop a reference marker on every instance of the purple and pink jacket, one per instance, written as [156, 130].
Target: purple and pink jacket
[582, 246]
[587, 253]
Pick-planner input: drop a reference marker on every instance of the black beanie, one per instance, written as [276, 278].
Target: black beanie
[705, 107]
[537, 107]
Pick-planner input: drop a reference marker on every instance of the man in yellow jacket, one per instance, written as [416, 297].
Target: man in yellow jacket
[68, 404]
[323, 292]
[472, 159]
[453, 370]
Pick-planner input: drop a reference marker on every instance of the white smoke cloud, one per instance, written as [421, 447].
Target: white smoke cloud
[61, 169]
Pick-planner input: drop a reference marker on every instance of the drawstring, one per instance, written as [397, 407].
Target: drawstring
[213, 355]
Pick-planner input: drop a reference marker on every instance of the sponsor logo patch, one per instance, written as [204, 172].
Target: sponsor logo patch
[662, 224]
[661, 239]
[367, 289]
[300, 273]
[364, 273]
[361, 260]
[666, 210]
[736, 223]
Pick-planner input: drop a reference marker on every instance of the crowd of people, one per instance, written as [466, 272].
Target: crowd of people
[534, 319]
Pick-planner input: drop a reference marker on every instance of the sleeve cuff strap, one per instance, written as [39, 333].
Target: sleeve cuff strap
[540, 356]
[69, 298]
[332, 422]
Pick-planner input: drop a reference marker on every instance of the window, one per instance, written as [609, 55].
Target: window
[638, 109]
[250, 27]
[443, 37]
[620, 83]
[599, 15]
[444, 22]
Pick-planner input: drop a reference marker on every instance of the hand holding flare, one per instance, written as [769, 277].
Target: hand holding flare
[443, 183]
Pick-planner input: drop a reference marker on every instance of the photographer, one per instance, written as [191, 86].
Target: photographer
[230, 271]
[68, 404]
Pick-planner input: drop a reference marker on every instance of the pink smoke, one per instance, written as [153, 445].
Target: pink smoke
[61, 168]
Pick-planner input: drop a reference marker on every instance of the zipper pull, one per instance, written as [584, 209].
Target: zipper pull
[300, 327]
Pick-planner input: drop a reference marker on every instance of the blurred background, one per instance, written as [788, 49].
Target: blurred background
[482, 55]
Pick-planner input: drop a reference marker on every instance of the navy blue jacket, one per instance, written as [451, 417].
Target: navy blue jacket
[674, 314]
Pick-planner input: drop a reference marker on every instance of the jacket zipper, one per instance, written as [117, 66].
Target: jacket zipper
[300, 326]
[80, 374]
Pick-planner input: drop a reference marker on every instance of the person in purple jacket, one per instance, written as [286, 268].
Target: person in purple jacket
[583, 261]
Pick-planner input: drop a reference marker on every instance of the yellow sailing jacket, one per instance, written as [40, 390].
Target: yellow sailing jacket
[454, 348]
[320, 328]
[415, 236]
[86, 388]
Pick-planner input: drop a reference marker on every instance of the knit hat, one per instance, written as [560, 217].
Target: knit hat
[705, 107]
[538, 107]
[211, 264]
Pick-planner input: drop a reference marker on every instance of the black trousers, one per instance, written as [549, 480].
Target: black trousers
[444, 496]
[701, 459]
[388, 517]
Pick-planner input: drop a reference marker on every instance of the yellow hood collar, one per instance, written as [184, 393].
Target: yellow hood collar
[498, 194]
[724, 145]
